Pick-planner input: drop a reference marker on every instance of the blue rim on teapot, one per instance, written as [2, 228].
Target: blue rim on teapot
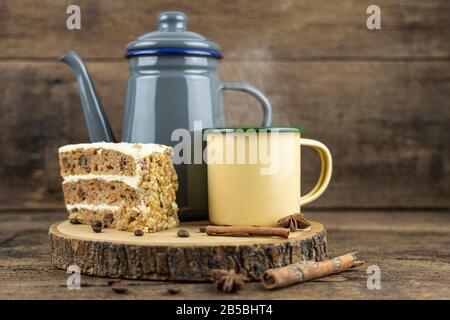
[164, 51]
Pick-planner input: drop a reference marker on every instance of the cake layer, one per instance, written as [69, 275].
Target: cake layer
[125, 219]
[96, 191]
[89, 214]
[106, 158]
[95, 161]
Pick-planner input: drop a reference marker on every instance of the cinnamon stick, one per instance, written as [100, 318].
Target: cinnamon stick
[237, 231]
[307, 270]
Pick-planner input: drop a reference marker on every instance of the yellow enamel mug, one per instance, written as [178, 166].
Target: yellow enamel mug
[254, 174]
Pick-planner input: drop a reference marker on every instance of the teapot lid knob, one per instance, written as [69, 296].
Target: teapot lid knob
[172, 21]
[172, 38]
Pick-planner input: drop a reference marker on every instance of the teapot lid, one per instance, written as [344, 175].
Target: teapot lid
[172, 37]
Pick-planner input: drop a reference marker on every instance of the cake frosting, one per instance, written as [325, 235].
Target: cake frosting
[136, 150]
[132, 181]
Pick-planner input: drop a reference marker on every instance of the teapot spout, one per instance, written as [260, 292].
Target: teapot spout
[97, 123]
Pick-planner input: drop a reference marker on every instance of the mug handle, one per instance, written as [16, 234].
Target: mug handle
[325, 171]
[265, 103]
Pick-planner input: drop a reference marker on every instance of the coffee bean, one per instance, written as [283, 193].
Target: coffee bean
[108, 220]
[202, 229]
[173, 290]
[138, 233]
[183, 233]
[96, 229]
[119, 287]
[96, 226]
[75, 221]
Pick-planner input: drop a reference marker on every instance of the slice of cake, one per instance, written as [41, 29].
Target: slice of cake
[126, 186]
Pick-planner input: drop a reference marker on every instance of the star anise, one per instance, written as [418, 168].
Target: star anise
[228, 281]
[294, 222]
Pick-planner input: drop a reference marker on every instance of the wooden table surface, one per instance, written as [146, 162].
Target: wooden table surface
[412, 250]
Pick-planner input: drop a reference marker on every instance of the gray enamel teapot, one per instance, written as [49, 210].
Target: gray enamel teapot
[173, 82]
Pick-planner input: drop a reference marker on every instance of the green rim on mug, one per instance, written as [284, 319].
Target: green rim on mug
[254, 129]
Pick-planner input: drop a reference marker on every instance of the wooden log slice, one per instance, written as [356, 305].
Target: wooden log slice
[165, 256]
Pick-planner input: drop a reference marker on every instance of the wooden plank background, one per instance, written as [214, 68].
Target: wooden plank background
[378, 99]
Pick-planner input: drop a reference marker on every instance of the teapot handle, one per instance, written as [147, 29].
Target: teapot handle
[265, 103]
